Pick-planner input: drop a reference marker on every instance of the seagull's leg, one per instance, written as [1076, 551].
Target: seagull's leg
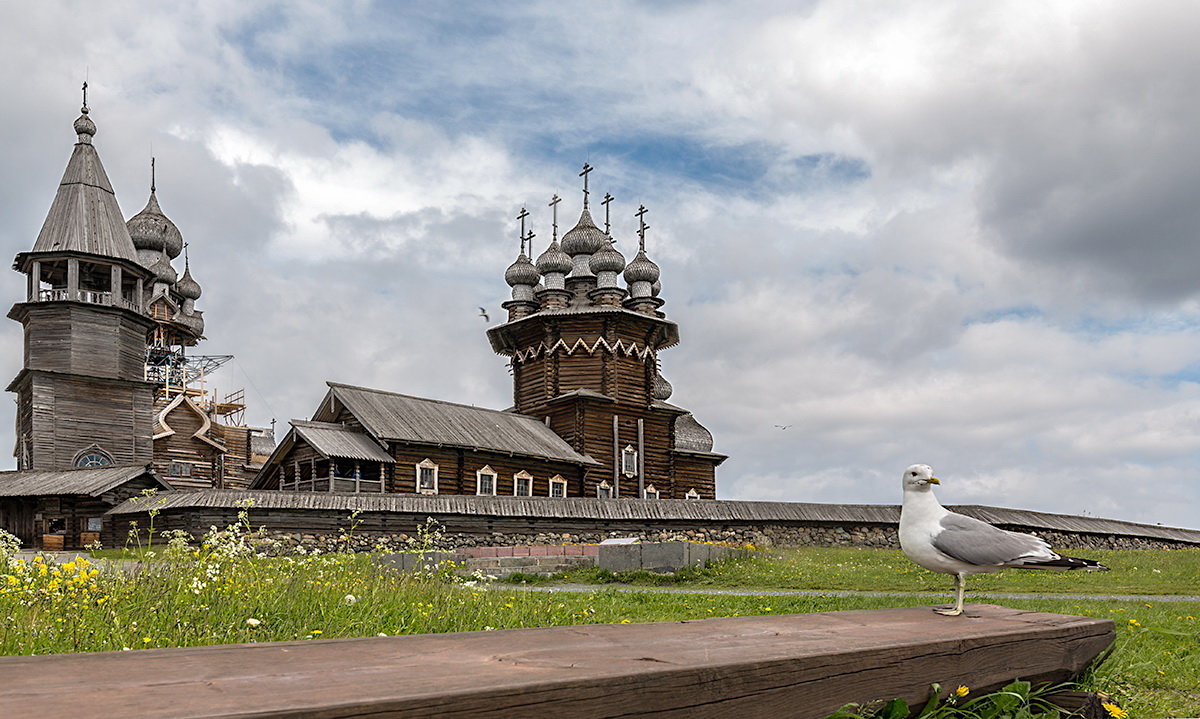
[960, 586]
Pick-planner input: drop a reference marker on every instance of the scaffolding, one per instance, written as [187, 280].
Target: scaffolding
[175, 373]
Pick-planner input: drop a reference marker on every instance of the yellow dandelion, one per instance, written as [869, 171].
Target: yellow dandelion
[962, 690]
[1114, 710]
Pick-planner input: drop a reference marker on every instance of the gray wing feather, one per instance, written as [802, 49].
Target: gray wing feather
[969, 540]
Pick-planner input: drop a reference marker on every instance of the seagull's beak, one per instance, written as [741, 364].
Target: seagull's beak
[934, 480]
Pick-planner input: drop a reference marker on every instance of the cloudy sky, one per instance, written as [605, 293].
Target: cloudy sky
[963, 234]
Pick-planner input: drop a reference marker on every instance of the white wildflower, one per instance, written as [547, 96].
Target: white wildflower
[349, 600]
[253, 622]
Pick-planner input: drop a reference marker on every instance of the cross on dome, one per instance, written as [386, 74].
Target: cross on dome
[554, 206]
[586, 171]
[606, 202]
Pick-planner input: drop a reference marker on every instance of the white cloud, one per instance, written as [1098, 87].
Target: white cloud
[1005, 290]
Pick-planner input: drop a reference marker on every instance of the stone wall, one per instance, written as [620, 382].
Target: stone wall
[762, 536]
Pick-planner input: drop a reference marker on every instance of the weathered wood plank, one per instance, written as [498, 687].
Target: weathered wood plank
[800, 665]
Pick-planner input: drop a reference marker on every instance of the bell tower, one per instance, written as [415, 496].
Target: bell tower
[82, 398]
[584, 357]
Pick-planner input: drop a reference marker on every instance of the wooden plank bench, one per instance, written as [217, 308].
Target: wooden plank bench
[794, 665]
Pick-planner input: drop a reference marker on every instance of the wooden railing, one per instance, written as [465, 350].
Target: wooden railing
[792, 665]
[94, 297]
[340, 484]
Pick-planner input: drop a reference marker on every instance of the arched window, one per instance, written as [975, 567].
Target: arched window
[522, 484]
[485, 482]
[427, 477]
[93, 457]
[558, 486]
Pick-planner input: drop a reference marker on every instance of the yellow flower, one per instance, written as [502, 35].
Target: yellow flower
[316, 631]
[962, 691]
[1134, 623]
[625, 621]
[1114, 711]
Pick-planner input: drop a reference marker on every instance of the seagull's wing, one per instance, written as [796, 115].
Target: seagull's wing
[969, 540]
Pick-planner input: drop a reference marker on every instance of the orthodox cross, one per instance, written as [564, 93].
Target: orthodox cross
[607, 199]
[586, 169]
[85, 107]
[521, 217]
[185, 256]
[152, 178]
[554, 205]
[642, 226]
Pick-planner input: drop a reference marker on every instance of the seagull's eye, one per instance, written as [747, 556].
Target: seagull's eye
[913, 473]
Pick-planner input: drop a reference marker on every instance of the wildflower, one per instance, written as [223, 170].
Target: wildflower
[625, 621]
[253, 622]
[349, 600]
[1134, 623]
[962, 691]
[316, 631]
[1114, 711]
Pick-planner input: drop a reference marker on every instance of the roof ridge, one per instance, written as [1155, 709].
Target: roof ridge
[431, 400]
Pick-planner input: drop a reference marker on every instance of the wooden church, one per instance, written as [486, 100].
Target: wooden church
[590, 416]
[107, 402]
[110, 402]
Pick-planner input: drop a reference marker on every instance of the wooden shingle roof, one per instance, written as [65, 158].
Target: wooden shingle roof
[91, 482]
[85, 216]
[335, 440]
[689, 511]
[403, 418]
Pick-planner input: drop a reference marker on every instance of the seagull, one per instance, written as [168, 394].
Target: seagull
[483, 313]
[783, 426]
[942, 541]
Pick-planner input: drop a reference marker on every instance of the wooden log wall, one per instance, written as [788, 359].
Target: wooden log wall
[70, 413]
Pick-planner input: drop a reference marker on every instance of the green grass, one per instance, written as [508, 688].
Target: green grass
[857, 569]
[188, 598]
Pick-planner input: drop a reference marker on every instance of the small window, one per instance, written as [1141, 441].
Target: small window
[522, 484]
[485, 482]
[692, 494]
[558, 486]
[179, 469]
[650, 493]
[427, 477]
[93, 459]
[604, 490]
[629, 461]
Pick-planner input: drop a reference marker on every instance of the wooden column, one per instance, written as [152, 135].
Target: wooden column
[72, 279]
[114, 289]
[35, 281]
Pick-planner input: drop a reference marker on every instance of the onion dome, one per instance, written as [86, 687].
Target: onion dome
[152, 230]
[522, 272]
[553, 260]
[163, 271]
[662, 389]
[608, 259]
[692, 436]
[584, 238]
[641, 269]
[84, 127]
[186, 286]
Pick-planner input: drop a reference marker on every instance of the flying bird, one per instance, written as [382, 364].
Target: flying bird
[483, 313]
[783, 426]
[942, 541]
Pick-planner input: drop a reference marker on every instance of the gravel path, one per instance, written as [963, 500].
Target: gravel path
[739, 592]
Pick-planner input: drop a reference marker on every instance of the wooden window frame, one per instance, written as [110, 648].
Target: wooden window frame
[692, 494]
[488, 471]
[651, 490]
[557, 481]
[519, 476]
[171, 469]
[604, 490]
[629, 461]
[426, 463]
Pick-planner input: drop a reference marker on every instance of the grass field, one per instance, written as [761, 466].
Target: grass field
[224, 594]
[857, 569]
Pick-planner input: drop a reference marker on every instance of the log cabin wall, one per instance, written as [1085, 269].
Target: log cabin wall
[70, 413]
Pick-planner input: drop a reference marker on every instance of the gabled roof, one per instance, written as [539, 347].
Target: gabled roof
[402, 418]
[335, 440]
[84, 216]
[92, 481]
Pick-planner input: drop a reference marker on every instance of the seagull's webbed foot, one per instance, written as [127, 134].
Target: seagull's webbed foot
[948, 611]
[960, 585]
